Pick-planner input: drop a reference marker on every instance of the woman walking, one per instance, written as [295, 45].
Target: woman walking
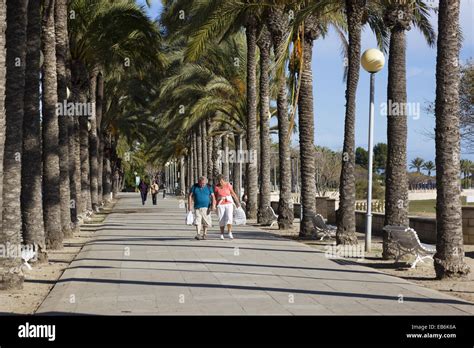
[225, 197]
[143, 187]
[154, 191]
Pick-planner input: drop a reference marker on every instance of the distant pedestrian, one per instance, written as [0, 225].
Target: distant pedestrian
[225, 197]
[154, 191]
[164, 191]
[143, 187]
[202, 195]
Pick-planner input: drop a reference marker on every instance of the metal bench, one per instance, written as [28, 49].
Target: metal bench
[322, 228]
[274, 216]
[406, 241]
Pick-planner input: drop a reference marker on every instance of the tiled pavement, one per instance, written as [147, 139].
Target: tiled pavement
[144, 261]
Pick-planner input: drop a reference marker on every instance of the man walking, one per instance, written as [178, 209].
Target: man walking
[204, 200]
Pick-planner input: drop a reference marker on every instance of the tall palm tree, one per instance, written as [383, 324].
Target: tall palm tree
[252, 136]
[31, 175]
[278, 25]
[12, 274]
[346, 213]
[94, 141]
[417, 163]
[399, 15]
[311, 31]
[449, 258]
[51, 173]
[60, 21]
[3, 73]
[265, 45]
[429, 166]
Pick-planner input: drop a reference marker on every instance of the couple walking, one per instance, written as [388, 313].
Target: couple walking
[206, 199]
[144, 188]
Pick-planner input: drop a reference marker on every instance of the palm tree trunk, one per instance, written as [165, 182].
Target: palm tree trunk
[265, 45]
[236, 168]
[51, 172]
[306, 130]
[3, 77]
[93, 142]
[346, 214]
[99, 113]
[182, 175]
[252, 135]
[31, 178]
[199, 149]
[85, 162]
[216, 167]
[107, 173]
[396, 180]
[11, 273]
[195, 158]
[80, 85]
[449, 259]
[210, 163]
[204, 147]
[225, 161]
[278, 26]
[63, 150]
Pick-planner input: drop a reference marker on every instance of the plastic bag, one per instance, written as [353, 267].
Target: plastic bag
[239, 216]
[189, 218]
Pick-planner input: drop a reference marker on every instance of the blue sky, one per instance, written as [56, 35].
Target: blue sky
[329, 88]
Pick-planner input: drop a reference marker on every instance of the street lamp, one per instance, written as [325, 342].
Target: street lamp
[372, 61]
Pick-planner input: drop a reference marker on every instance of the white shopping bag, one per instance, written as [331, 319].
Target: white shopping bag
[189, 218]
[239, 216]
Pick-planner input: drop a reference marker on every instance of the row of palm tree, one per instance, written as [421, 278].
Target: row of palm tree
[419, 163]
[59, 167]
[286, 31]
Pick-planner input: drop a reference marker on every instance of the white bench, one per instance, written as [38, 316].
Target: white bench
[274, 216]
[322, 228]
[406, 241]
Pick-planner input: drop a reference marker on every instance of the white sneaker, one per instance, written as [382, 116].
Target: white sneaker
[222, 236]
[230, 235]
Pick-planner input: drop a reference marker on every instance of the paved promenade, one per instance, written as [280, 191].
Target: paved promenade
[144, 261]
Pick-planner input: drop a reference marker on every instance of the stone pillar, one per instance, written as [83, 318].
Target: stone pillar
[321, 206]
[331, 211]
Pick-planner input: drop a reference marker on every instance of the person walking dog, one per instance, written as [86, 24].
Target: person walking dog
[202, 195]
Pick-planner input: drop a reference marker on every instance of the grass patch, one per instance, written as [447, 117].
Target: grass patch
[429, 206]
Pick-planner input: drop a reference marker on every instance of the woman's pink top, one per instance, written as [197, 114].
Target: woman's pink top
[222, 192]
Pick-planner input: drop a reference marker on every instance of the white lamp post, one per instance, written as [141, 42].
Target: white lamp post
[372, 61]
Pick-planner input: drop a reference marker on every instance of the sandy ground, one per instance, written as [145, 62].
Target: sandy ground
[40, 280]
[423, 274]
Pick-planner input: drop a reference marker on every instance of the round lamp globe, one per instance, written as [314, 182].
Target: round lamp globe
[372, 60]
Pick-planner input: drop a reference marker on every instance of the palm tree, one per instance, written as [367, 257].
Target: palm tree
[417, 163]
[449, 258]
[3, 73]
[14, 107]
[265, 45]
[252, 137]
[429, 166]
[31, 175]
[399, 15]
[278, 25]
[121, 24]
[60, 21]
[51, 173]
[346, 213]
[310, 33]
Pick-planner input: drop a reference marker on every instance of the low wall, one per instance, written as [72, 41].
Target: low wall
[425, 227]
